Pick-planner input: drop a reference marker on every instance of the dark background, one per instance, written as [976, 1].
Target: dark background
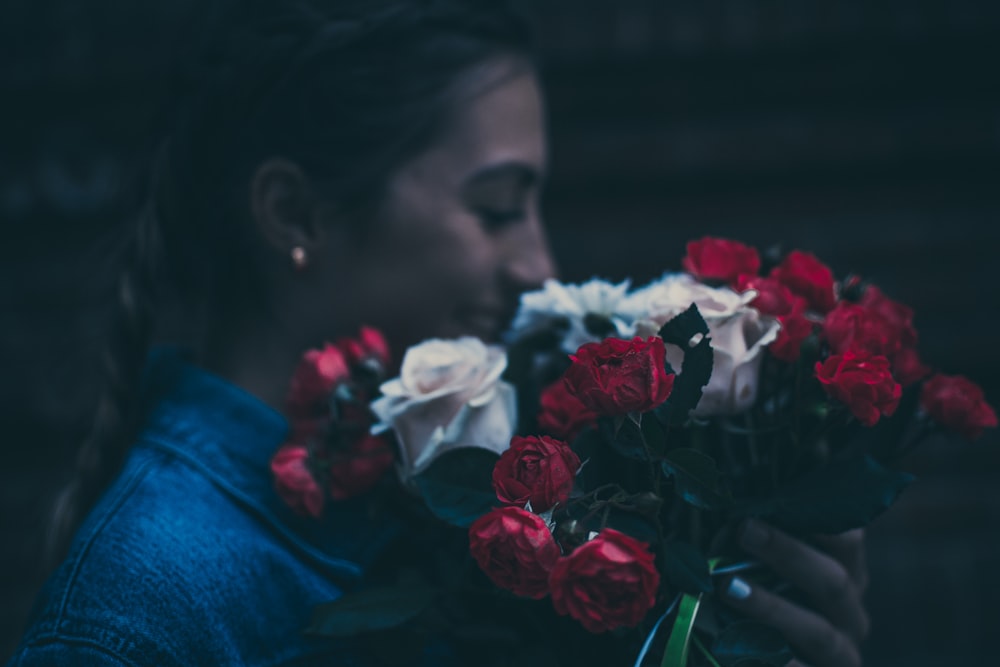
[867, 133]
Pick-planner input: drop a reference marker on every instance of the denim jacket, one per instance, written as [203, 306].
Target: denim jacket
[191, 558]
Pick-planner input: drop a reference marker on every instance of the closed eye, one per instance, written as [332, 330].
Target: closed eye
[494, 219]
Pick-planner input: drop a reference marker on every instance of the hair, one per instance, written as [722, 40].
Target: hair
[348, 90]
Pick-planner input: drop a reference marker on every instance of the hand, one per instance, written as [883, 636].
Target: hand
[832, 575]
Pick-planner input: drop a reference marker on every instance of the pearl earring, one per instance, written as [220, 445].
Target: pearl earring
[299, 258]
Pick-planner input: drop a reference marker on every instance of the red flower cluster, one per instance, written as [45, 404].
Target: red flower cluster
[957, 404]
[880, 326]
[873, 342]
[800, 284]
[606, 583]
[616, 377]
[800, 275]
[330, 451]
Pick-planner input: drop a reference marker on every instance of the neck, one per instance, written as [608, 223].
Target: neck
[259, 359]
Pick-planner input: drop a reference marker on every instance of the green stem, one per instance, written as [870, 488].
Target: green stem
[654, 469]
[704, 651]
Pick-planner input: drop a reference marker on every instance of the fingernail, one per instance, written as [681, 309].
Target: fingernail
[738, 589]
[754, 535]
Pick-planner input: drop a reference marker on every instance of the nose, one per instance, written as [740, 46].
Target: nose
[529, 260]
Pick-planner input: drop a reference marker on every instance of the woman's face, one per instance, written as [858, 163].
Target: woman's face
[458, 237]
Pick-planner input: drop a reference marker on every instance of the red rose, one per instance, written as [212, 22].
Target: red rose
[536, 469]
[609, 582]
[806, 276]
[720, 259]
[315, 378]
[897, 316]
[773, 297]
[515, 549]
[562, 414]
[370, 344]
[862, 382]
[357, 470]
[957, 403]
[615, 377]
[795, 329]
[293, 481]
[907, 367]
[851, 326]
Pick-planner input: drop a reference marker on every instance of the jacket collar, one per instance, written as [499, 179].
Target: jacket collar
[229, 436]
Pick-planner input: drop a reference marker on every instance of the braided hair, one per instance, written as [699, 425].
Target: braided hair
[346, 89]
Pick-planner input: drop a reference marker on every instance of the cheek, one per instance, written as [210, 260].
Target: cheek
[418, 281]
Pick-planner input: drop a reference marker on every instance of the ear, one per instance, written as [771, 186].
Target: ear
[285, 207]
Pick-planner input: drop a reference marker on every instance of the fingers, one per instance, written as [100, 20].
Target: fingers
[815, 638]
[825, 580]
[849, 549]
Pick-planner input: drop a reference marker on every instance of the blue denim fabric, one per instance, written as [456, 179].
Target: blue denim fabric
[190, 558]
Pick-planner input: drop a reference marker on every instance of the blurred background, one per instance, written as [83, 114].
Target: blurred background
[865, 132]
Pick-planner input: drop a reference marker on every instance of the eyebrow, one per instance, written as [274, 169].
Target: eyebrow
[525, 173]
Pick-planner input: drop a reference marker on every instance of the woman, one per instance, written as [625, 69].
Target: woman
[350, 163]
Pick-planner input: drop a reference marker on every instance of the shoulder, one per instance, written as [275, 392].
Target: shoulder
[169, 569]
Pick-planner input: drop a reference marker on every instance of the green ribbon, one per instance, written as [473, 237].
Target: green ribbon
[679, 643]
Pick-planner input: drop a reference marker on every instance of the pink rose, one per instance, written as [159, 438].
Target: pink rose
[314, 380]
[862, 382]
[957, 403]
[294, 482]
[515, 549]
[607, 583]
[562, 414]
[720, 259]
[808, 277]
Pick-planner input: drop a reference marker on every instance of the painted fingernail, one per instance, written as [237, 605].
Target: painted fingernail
[738, 589]
[754, 535]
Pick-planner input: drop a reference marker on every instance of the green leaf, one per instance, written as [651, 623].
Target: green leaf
[746, 643]
[841, 496]
[369, 610]
[683, 327]
[696, 478]
[458, 487]
[686, 568]
[679, 642]
[696, 369]
[655, 435]
[634, 524]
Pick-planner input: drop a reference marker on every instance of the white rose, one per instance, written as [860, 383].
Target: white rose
[739, 335]
[449, 395]
[572, 303]
[654, 305]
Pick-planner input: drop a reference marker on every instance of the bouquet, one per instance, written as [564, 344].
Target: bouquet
[602, 463]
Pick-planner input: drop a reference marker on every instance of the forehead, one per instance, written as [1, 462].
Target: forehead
[499, 117]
